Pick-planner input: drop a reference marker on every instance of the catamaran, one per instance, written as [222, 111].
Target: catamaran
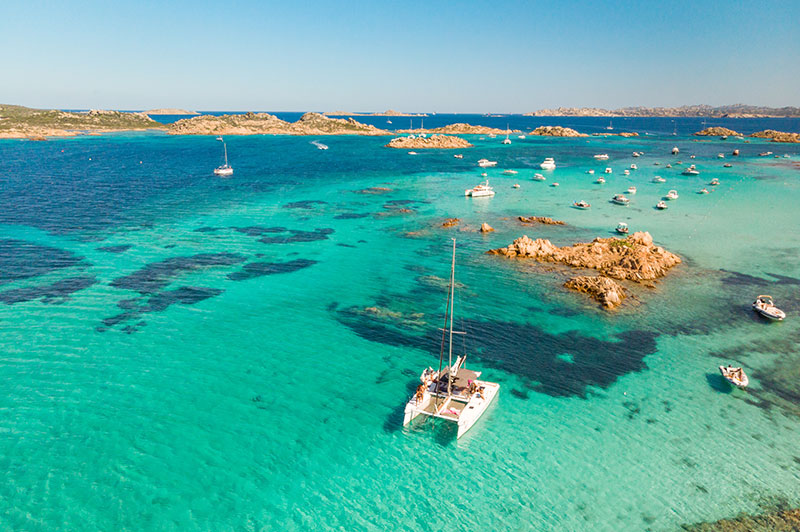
[453, 393]
[225, 169]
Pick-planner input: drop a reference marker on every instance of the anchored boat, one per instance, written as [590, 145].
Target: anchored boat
[453, 393]
[765, 306]
[735, 376]
[225, 169]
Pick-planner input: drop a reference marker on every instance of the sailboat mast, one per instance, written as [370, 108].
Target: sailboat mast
[452, 304]
[225, 147]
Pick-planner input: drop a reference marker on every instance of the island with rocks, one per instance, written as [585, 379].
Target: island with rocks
[717, 132]
[556, 131]
[460, 128]
[634, 259]
[777, 136]
[17, 121]
[170, 111]
[267, 124]
[724, 111]
[445, 142]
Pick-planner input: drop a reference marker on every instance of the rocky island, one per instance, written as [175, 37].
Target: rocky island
[267, 124]
[725, 111]
[434, 141]
[634, 258]
[777, 136]
[23, 122]
[556, 131]
[717, 132]
[460, 128]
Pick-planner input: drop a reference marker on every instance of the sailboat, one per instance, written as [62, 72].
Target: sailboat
[610, 125]
[508, 131]
[453, 393]
[225, 169]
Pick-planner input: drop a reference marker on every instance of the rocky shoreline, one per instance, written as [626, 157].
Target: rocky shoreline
[23, 122]
[725, 111]
[634, 258]
[444, 142]
[717, 132]
[267, 124]
[777, 136]
[556, 131]
[170, 111]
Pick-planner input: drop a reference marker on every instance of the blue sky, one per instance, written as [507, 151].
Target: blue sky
[444, 56]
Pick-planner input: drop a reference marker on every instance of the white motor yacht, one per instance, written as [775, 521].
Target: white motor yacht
[601, 156]
[548, 164]
[620, 199]
[539, 177]
[672, 195]
[607, 170]
[453, 393]
[479, 191]
[659, 179]
[581, 205]
[486, 163]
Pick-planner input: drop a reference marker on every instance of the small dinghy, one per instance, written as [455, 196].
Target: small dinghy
[554, 185]
[661, 205]
[703, 191]
[510, 172]
[581, 205]
[539, 177]
[590, 172]
[714, 182]
[727, 165]
[458, 156]
[626, 172]
[622, 228]
[600, 180]
[631, 190]
[672, 195]
[668, 166]
[764, 306]
[634, 167]
[735, 376]
[659, 179]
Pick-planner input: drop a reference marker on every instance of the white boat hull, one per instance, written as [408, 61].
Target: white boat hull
[223, 170]
[451, 409]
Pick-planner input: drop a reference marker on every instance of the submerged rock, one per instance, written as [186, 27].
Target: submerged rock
[451, 222]
[778, 521]
[609, 293]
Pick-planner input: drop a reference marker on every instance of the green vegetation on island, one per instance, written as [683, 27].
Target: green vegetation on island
[17, 121]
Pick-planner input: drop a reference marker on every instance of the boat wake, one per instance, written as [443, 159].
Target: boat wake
[319, 145]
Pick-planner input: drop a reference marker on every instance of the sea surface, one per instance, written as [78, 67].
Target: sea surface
[182, 351]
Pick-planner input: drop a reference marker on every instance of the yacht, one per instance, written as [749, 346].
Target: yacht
[735, 376]
[601, 156]
[453, 393]
[714, 182]
[661, 205]
[581, 205]
[548, 164]
[539, 177]
[727, 165]
[479, 191]
[631, 190]
[607, 170]
[225, 169]
[622, 228]
[510, 172]
[691, 171]
[764, 306]
[458, 156]
[672, 195]
[620, 199]
[590, 172]
[720, 156]
[703, 191]
[626, 172]
[507, 140]
[600, 180]
[659, 179]
[675, 150]
[486, 163]
[634, 167]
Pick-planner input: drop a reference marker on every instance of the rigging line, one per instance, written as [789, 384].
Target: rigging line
[441, 349]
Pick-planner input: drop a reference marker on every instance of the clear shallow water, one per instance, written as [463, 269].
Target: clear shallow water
[182, 351]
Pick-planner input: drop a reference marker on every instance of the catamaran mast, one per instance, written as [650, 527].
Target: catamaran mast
[452, 302]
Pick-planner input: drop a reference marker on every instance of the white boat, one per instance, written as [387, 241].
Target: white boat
[622, 228]
[479, 191]
[319, 145]
[520, 136]
[714, 182]
[590, 172]
[720, 156]
[539, 177]
[458, 156]
[510, 172]
[672, 195]
[735, 376]
[691, 171]
[626, 172]
[225, 169]
[600, 180]
[453, 393]
[727, 165]
[607, 170]
[764, 306]
[610, 126]
[620, 199]
[486, 163]
[412, 153]
[516, 185]
[636, 154]
[581, 205]
[601, 156]
[675, 150]
[661, 205]
[634, 167]
[548, 164]
[669, 165]
[507, 140]
[659, 179]
[631, 190]
[703, 191]
[554, 185]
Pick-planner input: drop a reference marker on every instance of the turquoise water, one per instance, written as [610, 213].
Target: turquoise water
[182, 351]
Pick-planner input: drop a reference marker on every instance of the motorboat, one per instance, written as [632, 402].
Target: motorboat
[659, 179]
[539, 177]
[591, 172]
[607, 170]
[764, 154]
[691, 171]
[486, 163]
[622, 228]
[480, 191]
[319, 145]
[735, 152]
[626, 172]
[691, 157]
[765, 306]
[453, 393]
[601, 156]
[554, 184]
[510, 172]
[601, 180]
[225, 169]
[668, 166]
[581, 204]
[675, 150]
[631, 190]
[634, 167]
[703, 191]
[727, 165]
[516, 185]
[636, 154]
[548, 164]
[714, 182]
[720, 156]
[520, 136]
[620, 199]
[413, 153]
[672, 195]
[661, 205]
[458, 156]
[484, 174]
[735, 376]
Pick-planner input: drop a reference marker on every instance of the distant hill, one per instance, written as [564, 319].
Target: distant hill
[725, 111]
[17, 121]
[170, 111]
